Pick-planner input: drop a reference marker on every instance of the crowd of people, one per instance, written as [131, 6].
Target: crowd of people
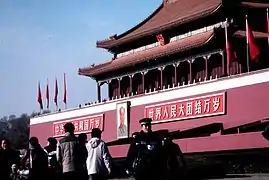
[74, 157]
[70, 158]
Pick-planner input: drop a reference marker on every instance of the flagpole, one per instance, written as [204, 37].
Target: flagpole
[57, 108]
[56, 94]
[267, 24]
[40, 106]
[64, 100]
[226, 39]
[47, 91]
[247, 49]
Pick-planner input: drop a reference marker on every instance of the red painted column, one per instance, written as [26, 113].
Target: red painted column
[143, 80]
[206, 66]
[227, 65]
[99, 91]
[161, 74]
[222, 62]
[131, 84]
[190, 66]
[175, 73]
[109, 89]
[119, 89]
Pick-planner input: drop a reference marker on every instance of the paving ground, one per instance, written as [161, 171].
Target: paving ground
[247, 177]
[233, 177]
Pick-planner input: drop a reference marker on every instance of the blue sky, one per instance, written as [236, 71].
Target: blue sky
[45, 39]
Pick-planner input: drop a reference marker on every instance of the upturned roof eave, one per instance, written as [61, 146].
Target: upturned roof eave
[258, 5]
[84, 71]
[106, 67]
[256, 34]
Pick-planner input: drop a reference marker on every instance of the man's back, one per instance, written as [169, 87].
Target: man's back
[67, 153]
[98, 160]
[39, 159]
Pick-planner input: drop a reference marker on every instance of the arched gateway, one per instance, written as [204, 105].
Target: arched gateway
[188, 67]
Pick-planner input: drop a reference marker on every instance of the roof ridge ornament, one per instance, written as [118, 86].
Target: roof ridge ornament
[169, 1]
[114, 36]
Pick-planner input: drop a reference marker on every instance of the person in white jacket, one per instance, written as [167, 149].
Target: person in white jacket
[99, 159]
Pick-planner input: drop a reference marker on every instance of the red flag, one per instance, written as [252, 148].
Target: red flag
[47, 94]
[56, 92]
[64, 99]
[253, 48]
[39, 97]
[161, 39]
[231, 54]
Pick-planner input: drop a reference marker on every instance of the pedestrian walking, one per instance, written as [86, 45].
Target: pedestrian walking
[99, 158]
[68, 153]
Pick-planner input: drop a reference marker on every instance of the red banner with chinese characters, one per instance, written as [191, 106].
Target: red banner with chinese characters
[187, 108]
[82, 125]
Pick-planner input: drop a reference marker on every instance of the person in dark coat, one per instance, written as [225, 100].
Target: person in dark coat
[8, 157]
[176, 164]
[38, 159]
[51, 151]
[82, 140]
[54, 167]
[146, 157]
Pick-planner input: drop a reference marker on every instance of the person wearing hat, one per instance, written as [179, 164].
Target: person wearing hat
[145, 158]
[146, 125]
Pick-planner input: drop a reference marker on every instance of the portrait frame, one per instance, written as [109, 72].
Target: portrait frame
[123, 119]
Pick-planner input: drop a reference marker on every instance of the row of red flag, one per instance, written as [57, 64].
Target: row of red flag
[252, 48]
[39, 94]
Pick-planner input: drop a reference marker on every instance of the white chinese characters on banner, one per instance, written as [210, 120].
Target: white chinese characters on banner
[82, 125]
[186, 109]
